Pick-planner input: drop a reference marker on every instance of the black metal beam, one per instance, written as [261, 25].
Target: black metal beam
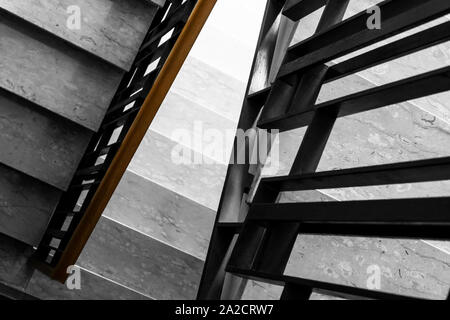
[297, 9]
[416, 42]
[425, 218]
[353, 34]
[333, 289]
[407, 89]
[396, 173]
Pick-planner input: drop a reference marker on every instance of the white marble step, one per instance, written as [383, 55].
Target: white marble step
[17, 274]
[210, 88]
[110, 29]
[53, 74]
[162, 214]
[140, 262]
[39, 143]
[407, 267]
[157, 160]
[92, 287]
[26, 205]
[196, 127]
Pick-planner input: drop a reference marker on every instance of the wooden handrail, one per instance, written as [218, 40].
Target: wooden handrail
[142, 122]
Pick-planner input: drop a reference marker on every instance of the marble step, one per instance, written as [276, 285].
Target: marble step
[407, 267]
[110, 29]
[14, 269]
[61, 78]
[210, 88]
[19, 278]
[26, 205]
[140, 262]
[39, 143]
[160, 160]
[162, 214]
[196, 127]
[92, 287]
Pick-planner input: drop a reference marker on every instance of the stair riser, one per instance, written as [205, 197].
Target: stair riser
[140, 262]
[162, 214]
[210, 88]
[93, 287]
[201, 183]
[53, 74]
[14, 270]
[39, 143]
[110, 29]
[195, 126]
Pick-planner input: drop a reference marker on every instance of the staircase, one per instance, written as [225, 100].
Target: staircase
[152, 240]
[55, 87]
[298, 242]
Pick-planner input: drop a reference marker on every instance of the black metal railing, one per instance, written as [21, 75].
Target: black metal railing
[165, 29]
[254, 235]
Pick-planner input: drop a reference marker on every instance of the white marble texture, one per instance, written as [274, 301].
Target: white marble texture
[140, 262]
[407, 267]
[195, 127]
[201, 182]
[53, 74]
[110, 29]
[26, 205]
[39, 143]
[93, 287]
[211, 88]
[162, 214]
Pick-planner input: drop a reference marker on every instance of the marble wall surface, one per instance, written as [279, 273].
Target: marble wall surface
[110, 29]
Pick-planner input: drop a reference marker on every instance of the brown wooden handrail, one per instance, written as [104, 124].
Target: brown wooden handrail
[144, 118]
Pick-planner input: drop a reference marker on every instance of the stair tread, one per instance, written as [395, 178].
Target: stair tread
[93, 287]
[140, 262]
[344, 290]
[153, 160]
[111, 30]
[203, 83]
[55, 75]
[162, 214]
